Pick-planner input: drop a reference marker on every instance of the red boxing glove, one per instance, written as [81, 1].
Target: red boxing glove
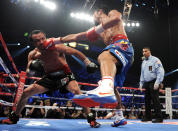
[57, 40]
[49, 43]
[93, 33]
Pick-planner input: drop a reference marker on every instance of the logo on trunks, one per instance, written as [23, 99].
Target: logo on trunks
[121, 57]
[64, 81]
[122, 44]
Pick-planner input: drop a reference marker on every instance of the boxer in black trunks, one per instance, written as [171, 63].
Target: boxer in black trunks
[57, 73]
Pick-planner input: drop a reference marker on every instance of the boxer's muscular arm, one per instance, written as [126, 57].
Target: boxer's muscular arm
[90, 66]
[49, 43]
[30, 59]
[74, 37]
[92, 34]
[113, 19]
[70, 51]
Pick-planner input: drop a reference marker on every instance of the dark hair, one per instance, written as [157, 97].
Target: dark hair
[102, 7]
[147, 48]
[34, 32]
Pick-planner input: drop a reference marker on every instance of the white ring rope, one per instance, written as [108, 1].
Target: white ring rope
[73, 108]
[7, 71]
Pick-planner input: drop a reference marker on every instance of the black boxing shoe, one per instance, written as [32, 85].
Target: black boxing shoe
[95, 124]
[158, 120]
[12, 119]
[92, 121]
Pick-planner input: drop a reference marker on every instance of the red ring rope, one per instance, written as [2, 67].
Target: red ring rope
[80, 83]
[8, 54]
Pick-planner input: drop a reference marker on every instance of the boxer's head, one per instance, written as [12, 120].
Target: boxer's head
[99, 12]
[146, 52]
[37, 37]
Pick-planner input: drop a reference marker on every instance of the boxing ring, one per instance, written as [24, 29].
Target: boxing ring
[26, 124]
[81, 124]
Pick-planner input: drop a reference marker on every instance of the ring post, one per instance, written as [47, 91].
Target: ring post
[169, 102]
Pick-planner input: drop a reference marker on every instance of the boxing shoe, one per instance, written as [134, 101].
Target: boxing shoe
[92, 121]
[85, 100]
[12, 119]
[119, 119]
[103, 96]
[158, 120]
[119, 123]
[94, 124]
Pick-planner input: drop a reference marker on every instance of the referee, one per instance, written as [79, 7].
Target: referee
[152, 75]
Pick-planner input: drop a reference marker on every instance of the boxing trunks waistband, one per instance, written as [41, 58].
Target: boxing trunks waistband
[57, 73]
[56, 80]
[61, 78]
[62, 71]
[118, 37]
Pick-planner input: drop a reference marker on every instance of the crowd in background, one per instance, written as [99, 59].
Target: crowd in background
[133, 107]
[57, 112]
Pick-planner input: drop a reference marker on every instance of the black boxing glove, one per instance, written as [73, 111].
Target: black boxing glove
[36, 68]
[91, 67]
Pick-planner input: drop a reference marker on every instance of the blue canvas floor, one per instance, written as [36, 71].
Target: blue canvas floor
[81, 124]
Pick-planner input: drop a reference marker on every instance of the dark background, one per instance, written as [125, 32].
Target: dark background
[158, 31]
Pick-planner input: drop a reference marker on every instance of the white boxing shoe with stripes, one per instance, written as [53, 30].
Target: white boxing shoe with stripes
[119, 123]
[103, 96]
[119, 119]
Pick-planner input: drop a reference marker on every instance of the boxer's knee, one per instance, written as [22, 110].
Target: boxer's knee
[74, 88]
[77, 92]
[106, 56]
[25, 95]
[103, 56]
[29, 91]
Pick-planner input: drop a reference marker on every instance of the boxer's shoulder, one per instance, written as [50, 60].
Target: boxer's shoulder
[34, 51]
[32, 54]
[114, 12]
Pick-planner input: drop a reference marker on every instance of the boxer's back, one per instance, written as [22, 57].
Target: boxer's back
[117, 29]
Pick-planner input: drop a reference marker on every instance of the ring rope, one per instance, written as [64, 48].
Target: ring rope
[80, 83]
[5, 103]
[6, 94]
[50, 98]
[18, 94]
[8, 54]
[7, 71]
[10, 94]
[19, 89]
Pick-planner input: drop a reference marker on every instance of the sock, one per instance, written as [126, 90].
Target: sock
[119, 113]
[108, 80]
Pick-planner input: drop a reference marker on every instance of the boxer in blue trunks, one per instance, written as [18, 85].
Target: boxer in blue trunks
[122, 49]
[114, 60]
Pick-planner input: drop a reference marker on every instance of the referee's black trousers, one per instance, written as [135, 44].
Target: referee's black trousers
[152, 95]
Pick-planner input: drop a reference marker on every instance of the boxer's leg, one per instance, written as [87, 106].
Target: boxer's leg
[29, 91]
[119, 118]
[104, 93]
[74, 88]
